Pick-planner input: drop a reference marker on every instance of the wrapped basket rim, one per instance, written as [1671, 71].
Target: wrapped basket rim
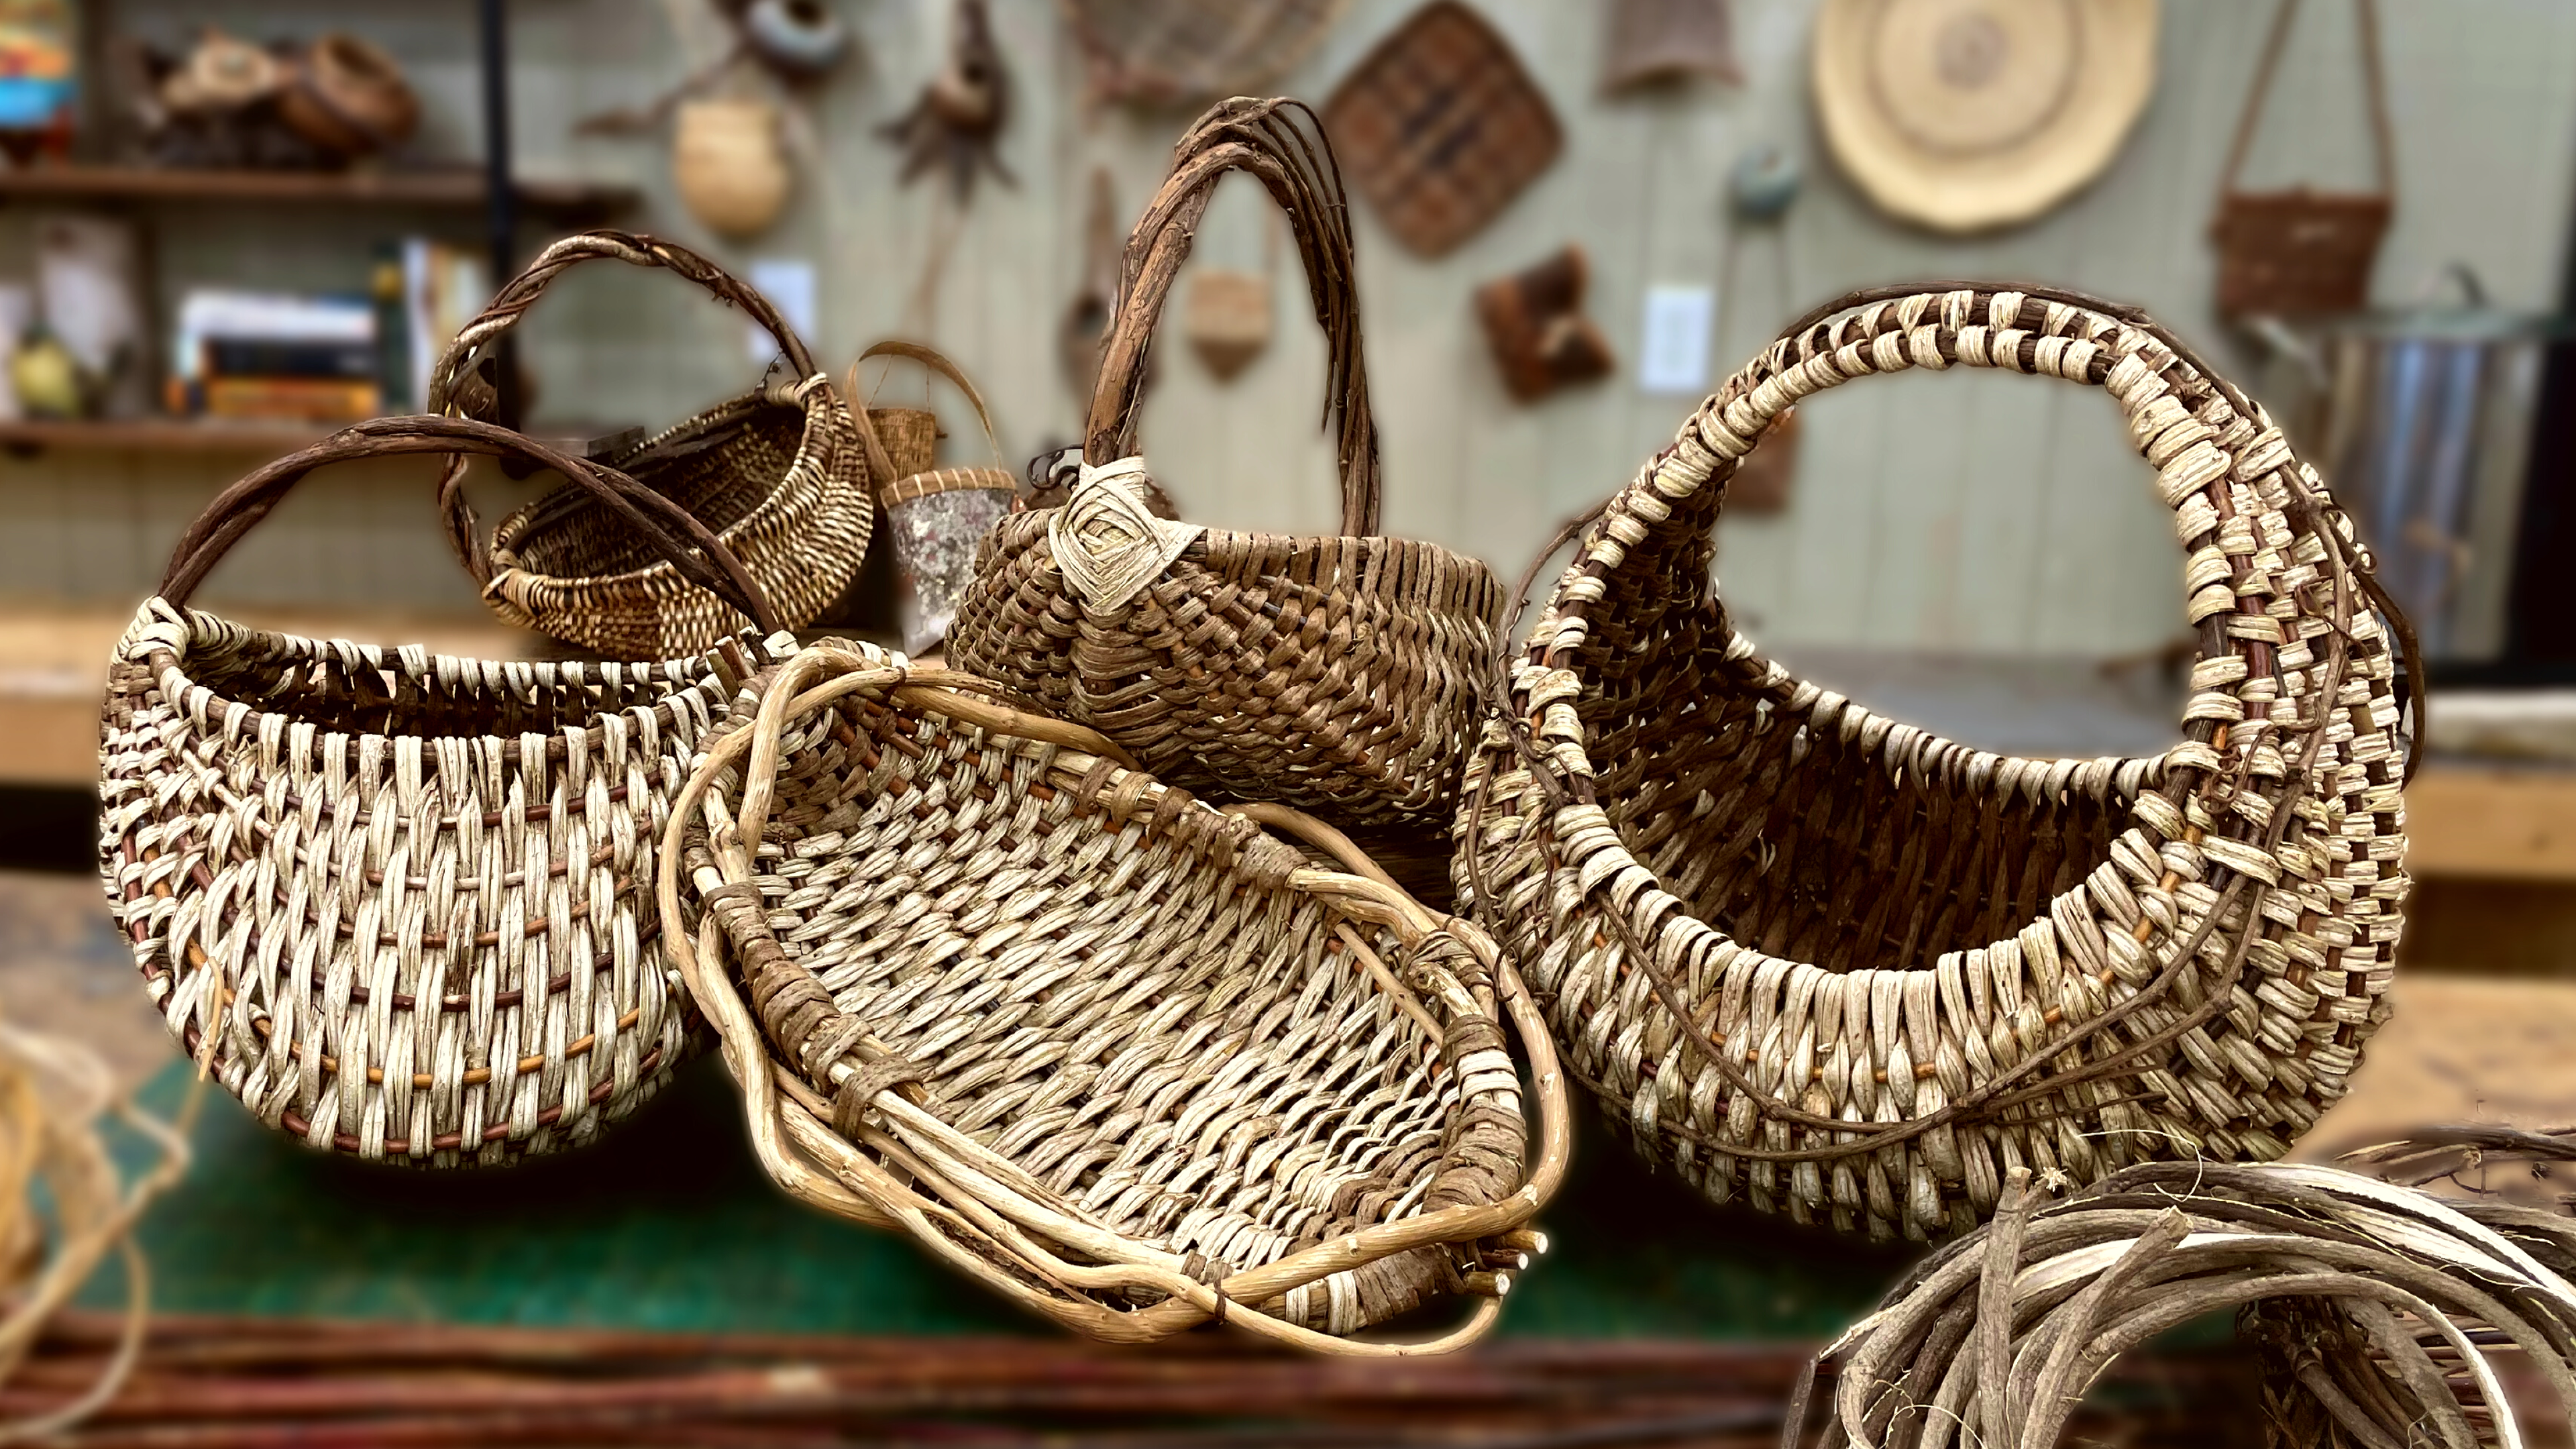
[687, 673]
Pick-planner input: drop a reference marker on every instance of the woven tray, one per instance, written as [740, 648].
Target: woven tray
[1121, 1057]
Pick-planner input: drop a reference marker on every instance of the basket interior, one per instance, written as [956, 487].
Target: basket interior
[1178, 1048]
[1800, 841]
[358, 690]
[719, 465]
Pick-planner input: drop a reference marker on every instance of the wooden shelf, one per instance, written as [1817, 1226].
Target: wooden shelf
[443, 188]
[161, 435]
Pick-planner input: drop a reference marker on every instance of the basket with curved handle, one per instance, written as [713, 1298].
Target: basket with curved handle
[1849, 969]
[779, 473]
[400, 904]
[1337, 673]
[1125, 1059]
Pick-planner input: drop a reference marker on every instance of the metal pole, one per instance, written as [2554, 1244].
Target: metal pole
[500, 194]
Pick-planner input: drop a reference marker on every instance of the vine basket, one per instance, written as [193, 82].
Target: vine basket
[1843, 968]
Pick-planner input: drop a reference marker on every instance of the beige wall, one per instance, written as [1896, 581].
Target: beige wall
[1977, 513]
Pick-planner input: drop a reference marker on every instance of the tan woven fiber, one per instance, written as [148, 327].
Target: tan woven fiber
[1338, 674]
[402, 904]
[1121, 1057]
[1843, 968]
[779, 473]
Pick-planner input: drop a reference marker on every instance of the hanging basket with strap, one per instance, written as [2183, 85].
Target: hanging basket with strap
[1123, 1058]
[2300, 252]
[401, 905]
[1841, 967]
[1337, 674]
[778, 473]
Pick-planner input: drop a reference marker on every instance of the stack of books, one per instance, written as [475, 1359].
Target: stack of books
[249, 356]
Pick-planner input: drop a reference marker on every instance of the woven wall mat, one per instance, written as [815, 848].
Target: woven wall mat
[262, 1382]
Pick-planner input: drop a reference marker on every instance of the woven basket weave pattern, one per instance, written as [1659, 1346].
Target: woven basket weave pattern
[780, 492]
[409, 895]
[1056, 990]
[779, 473]
[1339, 674]
[1879, 935]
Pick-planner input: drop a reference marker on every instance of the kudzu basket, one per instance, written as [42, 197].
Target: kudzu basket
[779, 473]
[1338, 674]
[1839, 966]
[1124, 1059]
[402, 904]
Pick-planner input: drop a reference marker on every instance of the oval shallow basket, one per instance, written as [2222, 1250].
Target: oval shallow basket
[401, 904]
[1848, 969]
[1123, 1058]
[779, 473]
[1338, 674]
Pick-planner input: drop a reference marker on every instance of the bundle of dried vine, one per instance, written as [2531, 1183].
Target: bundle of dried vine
[64, 1205]
[2374, 1310]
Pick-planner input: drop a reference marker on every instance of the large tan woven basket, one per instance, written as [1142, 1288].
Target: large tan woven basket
[1844, 968]
[1338, 674]
[1126, 1059]
[779, 473]
[402, 904]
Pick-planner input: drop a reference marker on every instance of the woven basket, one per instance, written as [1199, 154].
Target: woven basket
[1338, 674]
[401, 905]
[778, 472]
[1842, 967]
[1123, 1058]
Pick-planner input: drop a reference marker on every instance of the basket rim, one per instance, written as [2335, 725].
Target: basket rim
[159, 628]
[724, 770]
[1729, 425]
[513, 532]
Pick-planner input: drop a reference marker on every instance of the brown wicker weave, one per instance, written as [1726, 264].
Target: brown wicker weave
[778, 472]
[401, 905]
[1906, 965]
[1333, 673]
[1126, 1059]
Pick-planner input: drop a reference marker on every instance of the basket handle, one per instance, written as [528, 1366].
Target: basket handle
[690, 545]
[453, 383]
[1283, 145]
[880, 465]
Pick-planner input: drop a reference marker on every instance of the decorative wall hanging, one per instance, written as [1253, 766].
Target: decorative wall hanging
[1663, 40]
[1838, 966]
[1441, 126]
[729, 165]
[1968, 114]
[2299, 251]
[1188, 52]
[799, 39]
[1226, 316]
[937, 516]
[957, 123]
[1535, 324]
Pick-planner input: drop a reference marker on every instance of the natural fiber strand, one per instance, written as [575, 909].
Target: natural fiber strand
[2373, 1310]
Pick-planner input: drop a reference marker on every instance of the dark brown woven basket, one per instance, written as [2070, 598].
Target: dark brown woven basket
[1842, 967]
[401, 904]
[779, 473]
[1339, 674]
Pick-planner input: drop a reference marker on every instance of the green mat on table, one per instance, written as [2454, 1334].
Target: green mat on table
[670, 1224]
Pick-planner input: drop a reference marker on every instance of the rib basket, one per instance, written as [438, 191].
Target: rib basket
[779, 473]
[1847, 969]
[1123, 1058]
[401, 904]
[1338, 674]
